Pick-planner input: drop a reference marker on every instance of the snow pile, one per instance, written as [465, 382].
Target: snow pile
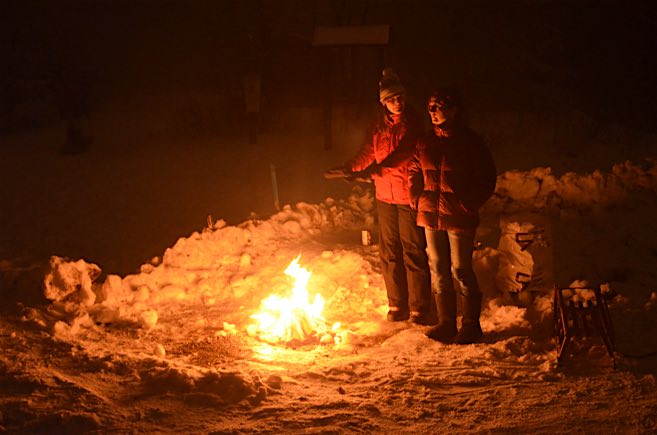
[232, 265]
[241, 265]
[214, 388]
[538, 189]
[173, 341]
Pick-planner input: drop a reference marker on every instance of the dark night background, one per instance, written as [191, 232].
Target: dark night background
[594, 56]
[542, 74]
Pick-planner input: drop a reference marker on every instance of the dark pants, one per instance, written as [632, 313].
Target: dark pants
[452, 250]
[402, 247]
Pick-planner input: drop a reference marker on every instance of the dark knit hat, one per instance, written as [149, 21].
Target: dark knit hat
[390, 85]
[447, 96]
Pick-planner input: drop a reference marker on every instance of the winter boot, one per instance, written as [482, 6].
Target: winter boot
[396, 314]
[445, 330]
[426, 316]
[431, 312]
[470, 328]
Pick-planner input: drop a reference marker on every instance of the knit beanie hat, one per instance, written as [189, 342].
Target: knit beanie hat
[389, 85]
[447, 96]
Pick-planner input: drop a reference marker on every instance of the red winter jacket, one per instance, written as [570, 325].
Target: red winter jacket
[386, 156]
[451, 176]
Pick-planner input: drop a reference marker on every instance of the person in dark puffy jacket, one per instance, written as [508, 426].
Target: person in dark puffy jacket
[451, 175]
[385, 157]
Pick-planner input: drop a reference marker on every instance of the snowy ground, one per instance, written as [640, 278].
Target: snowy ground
[172, 346]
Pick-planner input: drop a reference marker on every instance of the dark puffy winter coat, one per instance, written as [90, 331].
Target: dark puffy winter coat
[451, 175]
[386, 156]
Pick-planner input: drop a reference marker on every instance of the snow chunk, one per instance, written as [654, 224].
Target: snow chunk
[209, 387]
[148, 319]
[504, 318]
[71, 281]
[64, 330]
[159, 350]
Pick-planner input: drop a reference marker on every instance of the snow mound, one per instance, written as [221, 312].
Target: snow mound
[211, 387]
[240, 265]
[173, 341]
[222, 265]
[539, 189]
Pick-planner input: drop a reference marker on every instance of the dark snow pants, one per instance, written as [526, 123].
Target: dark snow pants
[405, 267]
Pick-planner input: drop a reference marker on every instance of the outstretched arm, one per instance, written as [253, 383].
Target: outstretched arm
[402, 154]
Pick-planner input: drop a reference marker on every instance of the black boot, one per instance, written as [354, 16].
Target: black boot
[470, 328]
[428, 316]
[397, 314]
[445, 330]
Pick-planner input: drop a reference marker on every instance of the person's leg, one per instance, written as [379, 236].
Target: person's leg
[440, 262]
[392, 261]
[414, 246]
[462, 246]
[442, 285]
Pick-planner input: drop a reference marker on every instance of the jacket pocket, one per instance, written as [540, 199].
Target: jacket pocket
[450, 205]
[427, 202]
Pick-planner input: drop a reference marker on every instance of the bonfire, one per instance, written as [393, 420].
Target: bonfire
[293, 318]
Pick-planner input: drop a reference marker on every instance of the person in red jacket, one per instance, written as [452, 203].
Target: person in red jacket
[385, 157]
[451, 175]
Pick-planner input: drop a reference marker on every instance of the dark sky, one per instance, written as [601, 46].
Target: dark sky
[595, 56]
[60, 58]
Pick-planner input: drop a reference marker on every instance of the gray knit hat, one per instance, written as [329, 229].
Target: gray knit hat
[389, 85]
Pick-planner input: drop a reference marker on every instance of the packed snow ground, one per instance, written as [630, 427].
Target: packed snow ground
[170, 348]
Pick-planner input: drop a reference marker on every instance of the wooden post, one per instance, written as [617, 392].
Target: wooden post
[274, 186]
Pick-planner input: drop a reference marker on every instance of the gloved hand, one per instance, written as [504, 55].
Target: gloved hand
[414, 203]
[338, 172]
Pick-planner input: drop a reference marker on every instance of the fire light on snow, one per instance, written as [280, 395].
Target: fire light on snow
[293, 318]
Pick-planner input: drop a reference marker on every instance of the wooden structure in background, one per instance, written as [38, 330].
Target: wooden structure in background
[353, 61]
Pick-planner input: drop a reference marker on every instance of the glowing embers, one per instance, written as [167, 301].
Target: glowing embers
[295, 318]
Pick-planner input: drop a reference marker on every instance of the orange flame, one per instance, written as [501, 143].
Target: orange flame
[294, 318]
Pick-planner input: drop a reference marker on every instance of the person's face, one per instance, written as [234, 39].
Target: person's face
[439, 111]
[395, 104]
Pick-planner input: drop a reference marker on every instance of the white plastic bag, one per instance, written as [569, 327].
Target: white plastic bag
[525, 258]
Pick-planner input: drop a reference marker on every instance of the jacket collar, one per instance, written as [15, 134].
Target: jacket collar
[443, 130]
